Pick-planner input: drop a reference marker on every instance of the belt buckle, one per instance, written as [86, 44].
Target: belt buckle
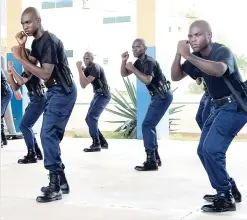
[229, 99]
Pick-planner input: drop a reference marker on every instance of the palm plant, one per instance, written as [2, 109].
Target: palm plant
[128, 110]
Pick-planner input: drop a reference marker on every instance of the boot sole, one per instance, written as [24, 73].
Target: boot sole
[139, 169]
[41, 199]
[223, 210]
[91, 151]
[65, 191]
[211, 200]
[28, 162]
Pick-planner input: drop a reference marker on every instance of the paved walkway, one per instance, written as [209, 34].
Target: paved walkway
[105, 186]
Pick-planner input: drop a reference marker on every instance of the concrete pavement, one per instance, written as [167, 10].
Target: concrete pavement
[105, 186]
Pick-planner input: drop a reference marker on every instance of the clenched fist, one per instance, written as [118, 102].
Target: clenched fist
[125, 56]
[21, 38]
[184, 48]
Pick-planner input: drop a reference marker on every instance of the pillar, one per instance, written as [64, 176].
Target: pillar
[14, 10]
[146, 23]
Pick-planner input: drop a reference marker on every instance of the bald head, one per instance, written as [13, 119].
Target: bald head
[204, 25]
[88, 58]
[200, 35]
[139, 47]
[89, 54]
[31, 10]
[140, 41]
[31, 21]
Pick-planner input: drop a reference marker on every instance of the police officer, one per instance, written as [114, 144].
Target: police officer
[49, 51]
[205, 105]
[94, 74]
[211, 61]
[32, 113]
[148, 71]
[6, 95]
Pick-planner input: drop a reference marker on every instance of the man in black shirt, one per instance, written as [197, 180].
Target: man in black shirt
[148, 71]
[94, 74]
[211, 61]
[49, 51]
[32, 113]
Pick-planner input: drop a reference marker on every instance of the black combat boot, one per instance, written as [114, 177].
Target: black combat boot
[223, 202]
[103, 142]
[38, 152]
[4, 138]
[157, 156]
[150, 164]
[63, 184]
[235, 192]
[94, 147]
[29, 158]
[52, 192]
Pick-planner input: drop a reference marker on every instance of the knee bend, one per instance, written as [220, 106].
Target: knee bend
[88, 119]
[43, 134]
[23, 126]
[211, 151]
[200, 151]
[145, 125]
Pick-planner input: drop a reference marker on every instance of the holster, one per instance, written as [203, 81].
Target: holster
[161, 89]
[65, 80]
[237, 96]
[38, 91]
[103, 88]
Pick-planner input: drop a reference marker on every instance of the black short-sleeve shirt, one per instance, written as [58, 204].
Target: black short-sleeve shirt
[98, 72]
[34, 83]
[49, 49]
[216, 85]
[149, 66]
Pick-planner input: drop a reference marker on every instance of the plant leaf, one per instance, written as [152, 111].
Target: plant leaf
[117, 113]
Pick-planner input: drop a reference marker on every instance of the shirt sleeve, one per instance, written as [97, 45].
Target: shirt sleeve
[148, 68]
[24, 75]
[189, 69]
[95, 72]
[49, 53]
[33, 51]
[224, 54]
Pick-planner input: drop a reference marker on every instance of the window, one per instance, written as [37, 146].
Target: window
[109, 20]
[69, 53]
[49, 4]
[120, 19]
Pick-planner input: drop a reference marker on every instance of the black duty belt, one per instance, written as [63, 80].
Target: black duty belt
[223, 101]
[159, 90]
[51, 82]
[100, 90]
[32, 93]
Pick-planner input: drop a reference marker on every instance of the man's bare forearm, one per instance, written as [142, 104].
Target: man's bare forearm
[24, 53]
[20, 81]
[83, 78]
[124, 71]
[35, 70]
[13, 84]
[176, 69]
[146, 79]
[209, 67]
